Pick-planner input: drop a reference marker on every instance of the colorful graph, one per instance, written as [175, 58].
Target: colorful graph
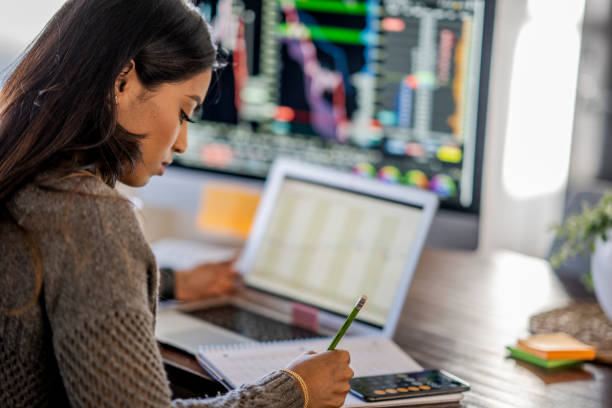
[389, 174]
[425, 86]
[416, 178]
[364, 170]
[324, 46]
[389, 84]
[443, 185]
[325, 117]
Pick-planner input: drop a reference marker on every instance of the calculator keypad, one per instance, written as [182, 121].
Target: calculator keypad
[403, 383]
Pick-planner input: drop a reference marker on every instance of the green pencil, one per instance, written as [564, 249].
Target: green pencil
[348, 322]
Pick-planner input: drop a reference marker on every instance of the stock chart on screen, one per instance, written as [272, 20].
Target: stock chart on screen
[384, 89]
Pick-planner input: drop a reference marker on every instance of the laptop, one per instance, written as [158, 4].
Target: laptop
[320, 239]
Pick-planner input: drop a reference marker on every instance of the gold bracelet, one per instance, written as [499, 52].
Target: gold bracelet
[300, 381]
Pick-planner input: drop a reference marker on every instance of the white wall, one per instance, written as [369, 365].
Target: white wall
[593, 102]
[534, 70]
[20, 22]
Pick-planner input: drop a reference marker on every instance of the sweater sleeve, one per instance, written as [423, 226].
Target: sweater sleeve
[100, 293]
[113, 361]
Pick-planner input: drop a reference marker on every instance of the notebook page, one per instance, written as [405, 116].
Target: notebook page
[245, 363]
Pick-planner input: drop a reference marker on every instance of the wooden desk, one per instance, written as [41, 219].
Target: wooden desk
[463, 309]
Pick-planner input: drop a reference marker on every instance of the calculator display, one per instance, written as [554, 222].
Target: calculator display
[406, 385]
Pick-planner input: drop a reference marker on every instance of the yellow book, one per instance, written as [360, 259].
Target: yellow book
[556, 346]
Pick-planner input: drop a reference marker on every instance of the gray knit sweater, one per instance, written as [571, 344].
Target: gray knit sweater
[88, 339]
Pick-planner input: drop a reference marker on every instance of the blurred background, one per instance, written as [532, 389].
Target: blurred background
[548, 115]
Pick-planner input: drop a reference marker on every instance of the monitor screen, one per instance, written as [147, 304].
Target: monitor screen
[326, 246]
[388, 89]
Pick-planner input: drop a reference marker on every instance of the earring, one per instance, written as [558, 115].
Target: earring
[116, 100]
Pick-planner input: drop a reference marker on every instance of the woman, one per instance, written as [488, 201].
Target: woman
[103, 95]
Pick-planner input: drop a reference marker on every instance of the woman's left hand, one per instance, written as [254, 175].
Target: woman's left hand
[206, 281]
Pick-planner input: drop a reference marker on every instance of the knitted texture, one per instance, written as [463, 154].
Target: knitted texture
[88, 339]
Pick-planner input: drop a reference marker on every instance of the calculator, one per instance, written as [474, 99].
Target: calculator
[406, 385]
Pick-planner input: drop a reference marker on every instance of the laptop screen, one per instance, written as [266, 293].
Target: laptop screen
[326, 246]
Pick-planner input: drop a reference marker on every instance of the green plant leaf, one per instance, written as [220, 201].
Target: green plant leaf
[579, 231]
[587, 281]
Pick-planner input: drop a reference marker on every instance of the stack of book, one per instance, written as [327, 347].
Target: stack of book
[552, 350]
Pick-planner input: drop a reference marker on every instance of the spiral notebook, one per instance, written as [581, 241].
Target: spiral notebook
[236, 364]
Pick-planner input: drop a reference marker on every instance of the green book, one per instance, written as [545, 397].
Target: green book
[523, 355]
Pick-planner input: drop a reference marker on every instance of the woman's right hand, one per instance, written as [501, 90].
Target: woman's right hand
[206, 281]
[326, 376]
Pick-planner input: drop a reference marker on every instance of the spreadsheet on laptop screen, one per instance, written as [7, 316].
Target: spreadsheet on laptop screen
[326, 246]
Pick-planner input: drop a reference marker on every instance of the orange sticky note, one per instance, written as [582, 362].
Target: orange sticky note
[227, 209]
[555, 346]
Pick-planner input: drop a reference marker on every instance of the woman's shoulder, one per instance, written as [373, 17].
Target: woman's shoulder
[87, 232]
[91, 245]
[50, 198]
[81, 183]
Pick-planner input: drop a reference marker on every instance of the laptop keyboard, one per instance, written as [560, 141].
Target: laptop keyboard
[252, 325]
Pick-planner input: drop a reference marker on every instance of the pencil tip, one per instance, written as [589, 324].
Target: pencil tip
[361, 301]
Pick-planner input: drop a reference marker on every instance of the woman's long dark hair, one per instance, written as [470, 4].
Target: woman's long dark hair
[57, 109]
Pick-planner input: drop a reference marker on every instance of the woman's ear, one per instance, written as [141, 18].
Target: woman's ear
[126, 81]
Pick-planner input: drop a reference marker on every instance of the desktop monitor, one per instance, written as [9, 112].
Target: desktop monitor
[394, 90]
